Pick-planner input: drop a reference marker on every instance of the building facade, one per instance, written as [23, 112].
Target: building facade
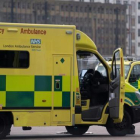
[104, 23]
[133, 18]
[133, 24]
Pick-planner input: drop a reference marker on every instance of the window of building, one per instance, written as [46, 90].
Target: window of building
[138, 32]
[28, 5]
[133, 6]
[62, 18]
[71, 19]
[85, 9]
[71, 8]
[14, 59]
[43, 6]
[77, 19]
[19, 5]
[23, 5]
[125, 2]
[138, 5]
[118, 1]
[76, 9]
[67, 19]
[89, 9]
[138, 44]
[99, 10]
[81, 9]
[14, 4]
[33, 5]
[38, 6]
[111, 11]
[52, 7]
[43, 17]
[106, 1]
[5, 4]
[102, 10]
[94, 10]
[9, 4]
[138, 19]
[67, 8]
[39, 17]
[53, 19]
[107, 11]
[62, 8]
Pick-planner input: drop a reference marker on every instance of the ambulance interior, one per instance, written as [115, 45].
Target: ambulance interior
[94, 85]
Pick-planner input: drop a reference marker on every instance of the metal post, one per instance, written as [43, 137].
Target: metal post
[116, 31]
[34, 16]
[95, 30]
[46, 13]
[130, 31]
[12, 11]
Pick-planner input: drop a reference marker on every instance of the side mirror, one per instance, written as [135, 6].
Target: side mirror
[132, 79]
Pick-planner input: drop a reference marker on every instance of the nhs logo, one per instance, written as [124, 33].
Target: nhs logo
[35, 41]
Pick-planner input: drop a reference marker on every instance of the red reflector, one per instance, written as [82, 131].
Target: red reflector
[121, 100]
[136, 101]
[77, 89]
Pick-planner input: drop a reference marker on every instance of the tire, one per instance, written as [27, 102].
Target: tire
[77, 130]
[119, 129]
[132, 130]
[5, 126]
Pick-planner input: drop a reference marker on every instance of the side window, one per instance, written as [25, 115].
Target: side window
[116, 65]
[14, 59]
[135, 73]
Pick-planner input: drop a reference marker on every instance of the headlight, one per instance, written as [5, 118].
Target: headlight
[137, 94]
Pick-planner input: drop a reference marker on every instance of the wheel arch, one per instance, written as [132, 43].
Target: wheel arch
[10, 116]
[130, 111]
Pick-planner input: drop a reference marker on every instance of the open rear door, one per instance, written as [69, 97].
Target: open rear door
[117, 87]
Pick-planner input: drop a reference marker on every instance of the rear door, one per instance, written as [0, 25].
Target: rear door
[62, 88]
[117, 87]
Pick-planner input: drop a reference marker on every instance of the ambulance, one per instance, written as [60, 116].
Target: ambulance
[40, 83]
[132, 83]
[133, 73]
[132, 79]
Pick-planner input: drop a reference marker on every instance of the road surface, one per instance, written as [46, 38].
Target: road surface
[57, 133]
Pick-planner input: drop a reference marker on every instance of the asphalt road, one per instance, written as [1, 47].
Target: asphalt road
[57, 133]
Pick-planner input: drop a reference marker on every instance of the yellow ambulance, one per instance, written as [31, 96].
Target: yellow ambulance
[132, 85]
[133, 73]
[132, 80]
[40, 84]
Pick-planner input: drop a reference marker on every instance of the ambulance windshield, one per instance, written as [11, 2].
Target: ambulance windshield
[86, 61]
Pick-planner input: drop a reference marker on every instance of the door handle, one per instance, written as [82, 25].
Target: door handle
[57, 84]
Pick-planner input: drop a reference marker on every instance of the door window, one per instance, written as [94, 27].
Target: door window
[116, 67]
[135, 73]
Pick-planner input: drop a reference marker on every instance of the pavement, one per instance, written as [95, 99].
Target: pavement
[59, 133]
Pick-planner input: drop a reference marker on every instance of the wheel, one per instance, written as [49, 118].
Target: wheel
[119, 129]
[77, 130]
[5, 126]
[132, 130]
